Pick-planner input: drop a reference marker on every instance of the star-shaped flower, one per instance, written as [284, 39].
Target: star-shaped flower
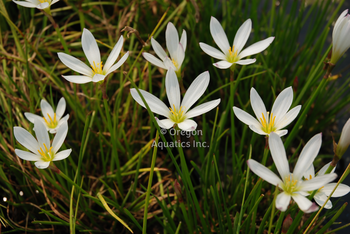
[233, 55]
[51, 120]
[98, 71]
[177, 113]
[267, 122]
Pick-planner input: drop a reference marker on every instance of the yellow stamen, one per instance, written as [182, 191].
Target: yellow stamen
[175, 63]
[97, 69]
[177, 115]
[268, 126]
[232, 56]
[52, 123]
[46, 155]
[42, 1]
[290, 185]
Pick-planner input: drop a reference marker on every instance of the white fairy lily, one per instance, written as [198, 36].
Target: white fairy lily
[98, 71]
[175, 47]
[40, 4]
[292, 184]
[322, 193]
[178, 113]
[41, 149]
[344, 140]
[269, 122]
[51, 120]
[233, 55]
[340, 37]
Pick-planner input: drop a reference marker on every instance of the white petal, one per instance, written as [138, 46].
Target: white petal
[183, 40]
[307, 155]
[172, 40]
[75, 64]
[42, 164]
[341, 190]
[320, 198]
[26, 139]
[264, 172]
[339, 20]
[61, 107]
[98, 77]
[246, 118]
[324, 169]
[158, 49]
[246, 61]
[256, 47]
[43, 5]
[27, 155]
[62, 155]
[152, 59]
[317, 182]
[196, 90]
[78, 79]
[282, 201]
[282, 103]
[46, 109]
[257, 129]
[41, 134]
[312, 208]
[281, 133]
[90, 48]
[54, 1]
[257, 104]
[310, 172]
[59, 137]
[278, 154]
[180, 56]
[165, 123]
[25, 4]
[242, 35]
[169, 64]
[172, 89]
[223, 64]
[211, 51]
[114, 54]
[203, 108]
[154, 103]
[219, 35]
[344, 140]
[287, 118]
[188, 125]
[31, 117]
[303, 203]
[118, 64]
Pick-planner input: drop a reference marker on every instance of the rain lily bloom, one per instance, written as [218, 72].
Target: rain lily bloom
[344, 140]
[98, 71]
[40, 4]
[176, 50]
[269, 122]
[233, 55]
[292, 184]
[322, 193]
[178, 113]
[341, 35]
[51, 120]
[41, 150]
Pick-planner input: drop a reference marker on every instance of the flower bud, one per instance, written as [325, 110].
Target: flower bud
[287, 223]
[344, 140]
[178, 190]
[341, 35]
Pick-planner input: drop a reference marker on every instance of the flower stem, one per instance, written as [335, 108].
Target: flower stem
[266, 153]
[273, 209]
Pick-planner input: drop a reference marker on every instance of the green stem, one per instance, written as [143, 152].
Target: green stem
[266, 152]
[58, 31]
[273, 209]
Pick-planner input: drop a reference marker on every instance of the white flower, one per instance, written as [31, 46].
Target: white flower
[40, 4]
[269, 122]
[178, 113]
[344, 140]
[176, 50]
[233, 55]
[322, 193]
[92, 53]
[341, 36]
[51, 120]
[292, 184]
[41, 150]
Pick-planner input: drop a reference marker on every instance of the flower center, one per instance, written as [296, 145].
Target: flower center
[175, 63]
[97, 69]
[177, 116]
[52, 123]
[46, 155]
[42, 1]
[268, 124]
[290, 185]
[232, 55]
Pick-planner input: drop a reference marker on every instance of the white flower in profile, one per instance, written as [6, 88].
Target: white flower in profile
[322, 193]
[92, 53]
[233, 55]
[341, 36]
[175, 47]
[52, 120]
[292, 184]
[41, 150]
[177, 113]
[40, 4]
[344, 140]
[267, 122]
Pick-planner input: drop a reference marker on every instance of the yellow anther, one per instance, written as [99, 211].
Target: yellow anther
[320, 188]
[97, 69]
[232, 57]
[177, 115]
[310, 177]
[42, 1]
[175, 63]
[46, 155]
[52, 123]
[268, 126]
